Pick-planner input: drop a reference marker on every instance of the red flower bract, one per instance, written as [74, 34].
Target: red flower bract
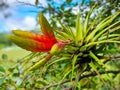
[35, 42]
[45, 42]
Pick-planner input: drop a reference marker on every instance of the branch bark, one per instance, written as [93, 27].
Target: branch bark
[29, 4]
[111, 58]
[84, 76]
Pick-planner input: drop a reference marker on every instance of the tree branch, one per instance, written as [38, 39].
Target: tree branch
[29, 4]
[84, 76]
[111, 58]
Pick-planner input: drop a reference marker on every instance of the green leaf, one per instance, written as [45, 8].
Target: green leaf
[42, 81]
[87, 20]
[79, 29]
[95, 69]
[114, 29]
[39, 64]
[67, 71]
[4, 56]
[101, 25]
[102, 41]
[2, 81]
[25, 60]
[104, 30]
[68, 32]
[68, 1]
[93, 23]
[109, 36]
[2, 69]
[36, 2]
[58, 60]
[73, 65]
[96, 59]
[63, 35]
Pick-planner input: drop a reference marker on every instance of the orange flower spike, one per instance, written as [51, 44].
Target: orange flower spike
[31, 41]
[56, 48]
[35, 42]
[38, 43]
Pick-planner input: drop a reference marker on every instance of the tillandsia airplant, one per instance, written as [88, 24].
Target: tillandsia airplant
[38, 43]
[83, 46]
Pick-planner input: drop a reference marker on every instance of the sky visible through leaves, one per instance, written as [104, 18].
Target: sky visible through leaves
[21, 16]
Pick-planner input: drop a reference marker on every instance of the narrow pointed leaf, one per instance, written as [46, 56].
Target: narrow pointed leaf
[95, 69]
[79, 29]
[58, 60]
[73, 65]
[39, 64]
[64, 35]
[101, 26]
[102, 41]
[96, 59]
[45, 27]
[104, 30]
[68, 31]
[36, 2]
[30, 35]
[109, 36]
[30, 45]
[87, 20]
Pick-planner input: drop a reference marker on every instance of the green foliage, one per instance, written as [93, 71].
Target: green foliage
[83, 55]
[36, 2]
[4, 56]
[4, 42]
[90, 60]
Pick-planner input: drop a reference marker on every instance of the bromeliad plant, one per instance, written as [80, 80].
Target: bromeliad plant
[38, 43]
[84, 47]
